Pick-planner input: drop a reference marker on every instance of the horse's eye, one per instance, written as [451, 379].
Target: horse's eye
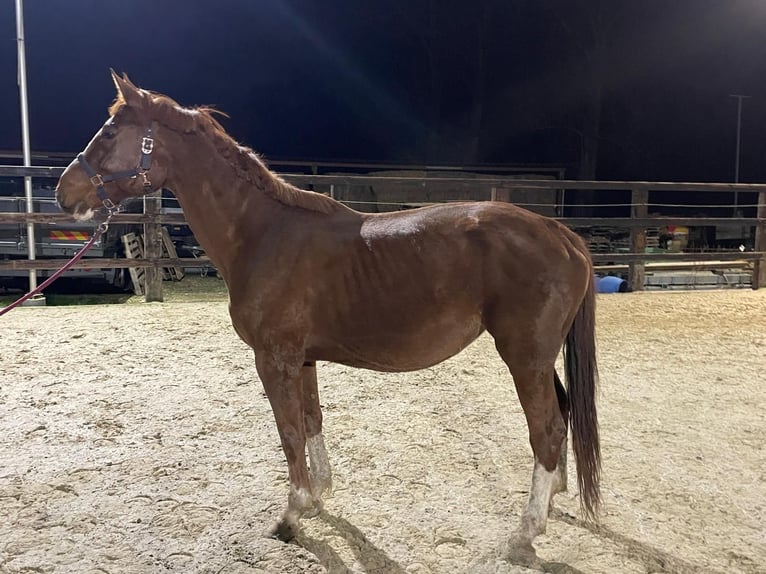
[109, 134]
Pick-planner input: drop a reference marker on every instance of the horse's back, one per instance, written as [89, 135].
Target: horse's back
[499, 237]
[507, 259]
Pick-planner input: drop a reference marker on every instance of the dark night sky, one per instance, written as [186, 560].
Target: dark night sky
[416, 81]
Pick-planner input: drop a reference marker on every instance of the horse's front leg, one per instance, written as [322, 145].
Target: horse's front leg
[281, 375]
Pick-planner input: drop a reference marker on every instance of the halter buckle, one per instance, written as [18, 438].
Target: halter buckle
[147, 145]
[97, 180]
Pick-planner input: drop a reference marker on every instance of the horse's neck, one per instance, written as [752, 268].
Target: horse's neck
[225, 211]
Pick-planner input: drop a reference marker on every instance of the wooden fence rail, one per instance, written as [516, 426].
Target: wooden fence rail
[620, 222]
[490, 186]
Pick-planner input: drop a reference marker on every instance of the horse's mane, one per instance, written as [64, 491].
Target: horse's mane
[247, 164]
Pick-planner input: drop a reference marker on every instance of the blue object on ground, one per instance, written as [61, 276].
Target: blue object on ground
[609, 284]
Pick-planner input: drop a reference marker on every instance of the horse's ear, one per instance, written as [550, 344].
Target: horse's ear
[126, 91]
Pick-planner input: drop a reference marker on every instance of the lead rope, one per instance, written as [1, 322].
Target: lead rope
[100, 230]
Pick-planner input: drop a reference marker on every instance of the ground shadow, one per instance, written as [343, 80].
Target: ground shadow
[375, 561]
[372, 559]
[527, 558]
[653, 559]
[559, 568]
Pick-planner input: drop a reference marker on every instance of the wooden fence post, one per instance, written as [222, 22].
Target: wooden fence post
[759, 268]
[153, 248]
[639, 209]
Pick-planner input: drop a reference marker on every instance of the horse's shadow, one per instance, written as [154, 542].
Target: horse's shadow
[372, 559]
[652, 558]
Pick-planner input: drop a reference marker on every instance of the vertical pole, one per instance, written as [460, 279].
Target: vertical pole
[639, 209]
[759, 269]
[26, 148]
[493, 194]
[739, 139]
[153, 247]
[562, 212]
[738, 148]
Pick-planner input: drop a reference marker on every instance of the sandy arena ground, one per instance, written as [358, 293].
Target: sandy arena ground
[136, 438]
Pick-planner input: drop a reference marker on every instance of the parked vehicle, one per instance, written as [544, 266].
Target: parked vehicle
[60, 240]
[63, 240]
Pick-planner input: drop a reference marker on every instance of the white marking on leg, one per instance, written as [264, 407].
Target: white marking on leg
[519, 548]
[299, 499]
[320, 473]
[535, 517]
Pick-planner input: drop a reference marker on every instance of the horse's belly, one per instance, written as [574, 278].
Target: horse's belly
[409, 349]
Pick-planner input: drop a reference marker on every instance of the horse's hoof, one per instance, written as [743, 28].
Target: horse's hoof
[520, 553]
[283, 530]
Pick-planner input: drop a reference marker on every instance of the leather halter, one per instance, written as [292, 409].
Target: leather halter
[144, 165]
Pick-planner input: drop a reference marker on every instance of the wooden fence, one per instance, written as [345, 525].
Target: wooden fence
[483, 187]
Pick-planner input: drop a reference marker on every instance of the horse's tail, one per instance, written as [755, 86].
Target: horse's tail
[582, 375]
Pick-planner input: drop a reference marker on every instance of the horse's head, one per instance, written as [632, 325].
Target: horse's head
[122, 160]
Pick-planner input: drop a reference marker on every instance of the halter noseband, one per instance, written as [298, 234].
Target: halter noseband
[144, 165]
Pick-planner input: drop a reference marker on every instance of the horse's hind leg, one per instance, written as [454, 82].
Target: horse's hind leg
[283, 382]
[560, 483]
[320, 472]
[535, 385]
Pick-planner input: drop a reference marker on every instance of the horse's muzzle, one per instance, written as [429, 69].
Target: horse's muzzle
[79, 210]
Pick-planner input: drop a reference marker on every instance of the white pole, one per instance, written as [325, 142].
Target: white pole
[25, 136]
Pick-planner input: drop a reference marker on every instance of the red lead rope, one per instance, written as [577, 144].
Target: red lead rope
[96, 236]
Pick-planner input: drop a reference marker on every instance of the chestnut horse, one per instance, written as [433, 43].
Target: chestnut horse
[310, 279]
